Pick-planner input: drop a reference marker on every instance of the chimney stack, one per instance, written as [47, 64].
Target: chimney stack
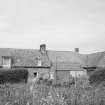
[77, 50]
[43, 48]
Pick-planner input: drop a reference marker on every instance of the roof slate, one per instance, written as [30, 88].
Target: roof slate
[67, 56]
[24, 57]
[94, 59]
[101, 62]
[67, 60]
[68, 66]
[64, 59]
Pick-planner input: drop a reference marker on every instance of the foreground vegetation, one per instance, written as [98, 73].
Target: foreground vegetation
[15, 94]
[45, 92]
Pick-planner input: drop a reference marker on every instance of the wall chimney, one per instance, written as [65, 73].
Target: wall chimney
[77, 50]
[43, 48]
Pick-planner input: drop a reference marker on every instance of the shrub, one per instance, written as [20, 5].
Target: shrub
[13, 76]
[97, 76]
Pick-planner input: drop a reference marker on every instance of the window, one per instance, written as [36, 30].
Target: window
[6, 61]
[35, 74]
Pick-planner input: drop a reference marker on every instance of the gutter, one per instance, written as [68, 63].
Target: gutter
[28, 67]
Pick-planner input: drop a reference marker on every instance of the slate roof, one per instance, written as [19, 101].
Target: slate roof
[74, 60]
[67, 56]
[101, 62]
[68, 66]
[24, 57]
[94, 59]
[65, 59]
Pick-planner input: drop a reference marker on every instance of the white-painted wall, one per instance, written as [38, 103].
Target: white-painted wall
[78, 73]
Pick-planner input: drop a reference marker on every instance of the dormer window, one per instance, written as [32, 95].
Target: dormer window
[39, 61]
[6, 61]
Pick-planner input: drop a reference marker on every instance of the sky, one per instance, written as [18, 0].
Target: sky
[61, 24]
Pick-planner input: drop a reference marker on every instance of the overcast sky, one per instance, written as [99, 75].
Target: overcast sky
[61, 24]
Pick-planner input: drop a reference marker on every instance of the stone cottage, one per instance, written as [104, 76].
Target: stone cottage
[67, 64]
[56, 65]
[35, 61]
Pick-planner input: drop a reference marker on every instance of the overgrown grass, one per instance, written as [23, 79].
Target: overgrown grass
[80, 93]
[47, 93]
[15, 94]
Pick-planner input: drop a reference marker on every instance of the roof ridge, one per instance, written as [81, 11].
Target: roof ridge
[52, 50]
[19, 49]
[60, 51]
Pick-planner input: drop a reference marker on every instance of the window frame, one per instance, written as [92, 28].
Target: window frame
[6, 61]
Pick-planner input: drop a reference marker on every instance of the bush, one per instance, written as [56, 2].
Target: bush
[97, 76]
[13, 76]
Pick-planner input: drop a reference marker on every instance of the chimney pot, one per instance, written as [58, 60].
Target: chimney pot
[77, 50]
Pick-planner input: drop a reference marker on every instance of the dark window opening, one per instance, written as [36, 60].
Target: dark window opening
[35, 74]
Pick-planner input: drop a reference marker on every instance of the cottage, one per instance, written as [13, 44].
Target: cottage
[35, 61]
[66, 65]
[55, 65]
